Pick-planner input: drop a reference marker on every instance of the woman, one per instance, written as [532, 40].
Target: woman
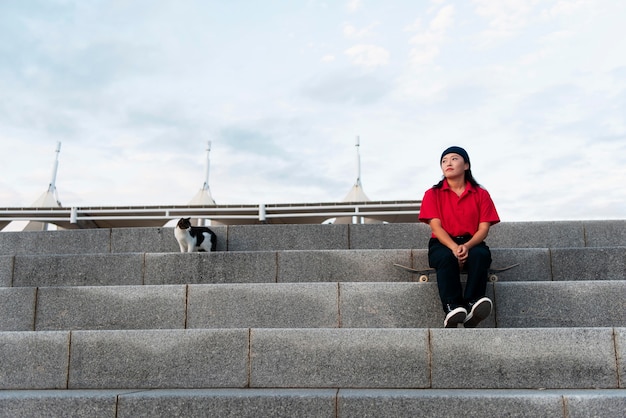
[459, 212]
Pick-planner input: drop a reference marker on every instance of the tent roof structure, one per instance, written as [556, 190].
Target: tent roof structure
[48, 199]
[356, 194]
[203, 197]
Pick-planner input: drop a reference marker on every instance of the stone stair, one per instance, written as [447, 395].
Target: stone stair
[308, 320]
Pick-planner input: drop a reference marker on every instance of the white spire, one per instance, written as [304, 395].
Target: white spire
[203, 197]
[356, 193]
[52, 188]
[50, 197]
[358, 161]
[208, 164]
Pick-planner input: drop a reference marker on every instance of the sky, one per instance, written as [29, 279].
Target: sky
[534, 90]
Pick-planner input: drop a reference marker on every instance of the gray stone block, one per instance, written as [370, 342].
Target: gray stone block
[155, 240]
[531, 358]
[58, 403]
[111, 307]
[561, 304]
[6, 270]
[236, 403]
[390, 305]
[534, 264]
[287, 237]
[419, 258]
[308, 305]
[588, 264]
[216, 267]
[17, 309]
[8, 242]
[447, 403]
[331, 358]
[78, 270]
[159, 359]
[143, 240]
[34, 360]
[342, 265]
[389, 236]
[395, 305]
[75, 241]
[598, 403]
[551, 234]
[605, 233]
[620, 346]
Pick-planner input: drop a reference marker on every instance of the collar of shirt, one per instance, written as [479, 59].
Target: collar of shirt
[468, 187]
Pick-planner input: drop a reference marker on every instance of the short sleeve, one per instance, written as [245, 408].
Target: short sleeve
[488, 212]
[429, 209]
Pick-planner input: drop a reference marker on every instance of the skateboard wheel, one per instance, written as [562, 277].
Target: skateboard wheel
[423, 278]
[493, 278]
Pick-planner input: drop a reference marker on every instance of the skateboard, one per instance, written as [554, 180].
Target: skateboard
[425, 273]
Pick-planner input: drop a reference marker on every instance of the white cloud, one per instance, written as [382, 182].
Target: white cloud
[368, 55]
[424, 55]
[549, 44]
[415, 26]
[428, 42]
[354, 5]
[443, 20]
[566, 7]
[346, 88]
[351, 32]
[505, 18]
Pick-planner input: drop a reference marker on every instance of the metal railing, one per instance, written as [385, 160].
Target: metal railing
[137, 216]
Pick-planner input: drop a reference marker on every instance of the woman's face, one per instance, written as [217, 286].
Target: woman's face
[453, 165]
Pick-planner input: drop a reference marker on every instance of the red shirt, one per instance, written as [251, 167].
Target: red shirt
[458, 215]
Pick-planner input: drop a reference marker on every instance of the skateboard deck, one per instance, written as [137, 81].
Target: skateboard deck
[425, 273]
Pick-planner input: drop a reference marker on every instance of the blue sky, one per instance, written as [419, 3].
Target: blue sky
[534, 90]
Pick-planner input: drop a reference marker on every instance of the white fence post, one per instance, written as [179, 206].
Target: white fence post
[73, 215]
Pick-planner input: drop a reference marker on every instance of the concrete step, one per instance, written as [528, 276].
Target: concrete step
[556, 264]
[547, 234]
[303, 305]
[527, 358]
[331, 403]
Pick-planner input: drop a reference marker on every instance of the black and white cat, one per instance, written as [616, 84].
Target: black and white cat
[194, 238]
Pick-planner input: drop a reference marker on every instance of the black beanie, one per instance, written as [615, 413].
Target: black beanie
[456, 150]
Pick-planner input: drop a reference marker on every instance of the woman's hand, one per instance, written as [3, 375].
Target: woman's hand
[461, 253]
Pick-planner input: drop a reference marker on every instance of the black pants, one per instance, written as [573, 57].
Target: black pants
[477, 266]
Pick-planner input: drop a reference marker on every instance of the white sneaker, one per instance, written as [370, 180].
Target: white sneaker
[479, 310]
[455, 316]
